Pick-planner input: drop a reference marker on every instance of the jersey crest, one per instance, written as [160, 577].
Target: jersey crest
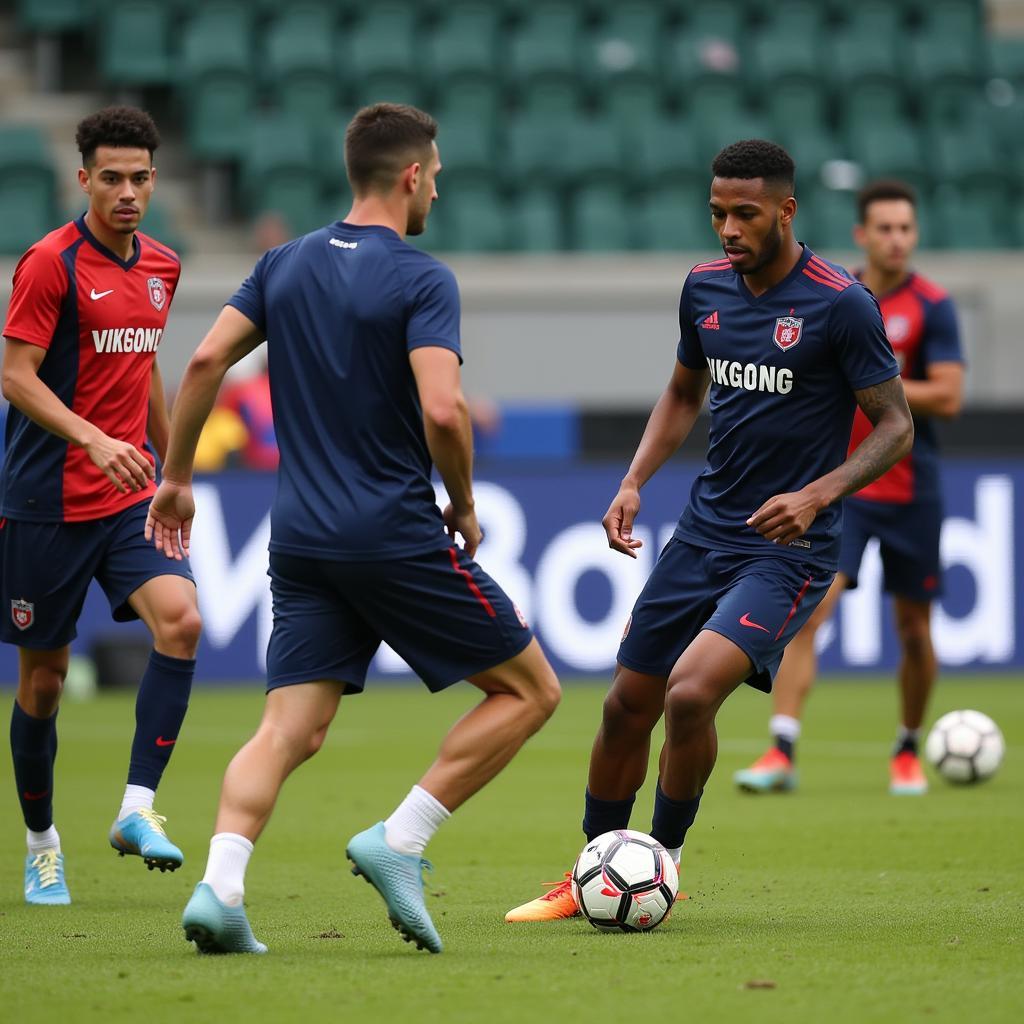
[157, 292]
[787, 331]
[23, 613]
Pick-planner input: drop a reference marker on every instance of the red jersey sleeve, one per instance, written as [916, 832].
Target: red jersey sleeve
[40, 284]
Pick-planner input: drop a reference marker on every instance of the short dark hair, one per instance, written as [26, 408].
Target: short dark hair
[121, 127]
[381, 140]
[876, 191]
[755, 158]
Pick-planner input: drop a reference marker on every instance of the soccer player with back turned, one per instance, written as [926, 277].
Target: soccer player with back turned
[789, 346]
[902, 508]
[87, 312]
[363, 343]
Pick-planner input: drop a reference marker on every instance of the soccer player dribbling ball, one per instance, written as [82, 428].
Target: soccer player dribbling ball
[789, 346]
[902, 508]
[363, 343]
[87, 313]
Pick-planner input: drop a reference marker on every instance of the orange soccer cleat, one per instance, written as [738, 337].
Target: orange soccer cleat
[772, 772]
[906, 777]
[557, 903]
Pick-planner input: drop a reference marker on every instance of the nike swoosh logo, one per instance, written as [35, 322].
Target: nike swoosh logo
[161, 742]
[747, 621]
[35, 796]
[94, 295]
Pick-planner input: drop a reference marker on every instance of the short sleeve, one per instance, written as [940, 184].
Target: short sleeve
[434, 310]
[941, 341]
[249, 299]
[689, 351]
[40, 286]
[857, 333]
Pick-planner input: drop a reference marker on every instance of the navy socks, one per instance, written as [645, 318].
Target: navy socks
[34, 749]
[672, 818]
[602, 816]
[159, 711]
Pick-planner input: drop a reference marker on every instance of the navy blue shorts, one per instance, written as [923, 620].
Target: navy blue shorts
[908, 537]
[756, 602]
[46, 569]
[440, 611]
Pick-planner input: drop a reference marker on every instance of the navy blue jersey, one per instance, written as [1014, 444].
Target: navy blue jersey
[784, 366]
[342, 308]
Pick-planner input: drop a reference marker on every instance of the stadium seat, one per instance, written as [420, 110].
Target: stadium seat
[827, 219]
[548, 40]
[714, 135]
[674, 218]
[969, 156]
[664, 154]
[633, 102]
[535, 149]
[280, 172]
[891, 150]
[387, 87]
[383, 41]
[465, 41]
[625, 44]
[537, 221]
[1006, 59]
[470, 95]
[552, 93]
[717, 19]
[301, 64]
[54, 15]
[28, 207]
[855, 57]
[810, 151]
[799, 19]
[793, 107]
[875, 20]
[598, 219]
[147, 60]
[968, 219]
[158, 224]
[874, 101]
[593, 151]
[467, 147]
[475, 218]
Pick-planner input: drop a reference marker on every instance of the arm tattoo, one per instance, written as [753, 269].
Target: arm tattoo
[886, 407]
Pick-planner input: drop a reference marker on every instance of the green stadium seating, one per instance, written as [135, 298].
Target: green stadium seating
[383, 41]
[301, 64]
[548, 41]
[970, 219]
[675, 218]
[810, 152]
[469, 95]
[466, 147]
[536, 221]
[552, 94]
[880, 21]
[891, 150]
[664, 154]
[28, 208]
[794, 109]
[465, 41]
[799, 19]
[54, 15]
[874, 101]
[717, 19]
[631, 103]
[477, 222]
[971, 156]
[1006, 59]
[147, 60]
[599, 220]
[827, 219]
[387, 87]
[713, 136]
[158, 224]
[535, 150]
[855, 57]
[280, 172]
[625, 44]
[593, 152]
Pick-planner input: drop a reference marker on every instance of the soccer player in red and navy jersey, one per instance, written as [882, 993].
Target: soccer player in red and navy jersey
[902, 508]
[87, 313]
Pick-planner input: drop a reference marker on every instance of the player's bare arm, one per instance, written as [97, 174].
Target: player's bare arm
[785, 517]
[122, 463]
[169, 523]
[449, 434]
[158, 423]
[940, 394]
[669, 425]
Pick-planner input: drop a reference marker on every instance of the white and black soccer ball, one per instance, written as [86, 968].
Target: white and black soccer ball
[965, 746]
[624, 881]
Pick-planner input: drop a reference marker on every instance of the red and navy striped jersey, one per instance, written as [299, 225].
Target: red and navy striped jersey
[100, 320]
[784, 366]
[920, 321]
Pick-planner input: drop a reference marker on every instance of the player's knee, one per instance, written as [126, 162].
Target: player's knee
[689, 700]
[915, 636]
[177, 634]
[621, 713]
[45, 684]
[548, 694]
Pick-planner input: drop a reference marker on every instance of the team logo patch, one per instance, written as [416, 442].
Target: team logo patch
[157, 292]
[23, 613]
[787, 331]
[897, 327]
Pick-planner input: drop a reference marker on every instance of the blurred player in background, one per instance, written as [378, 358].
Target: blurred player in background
[87, 312]
[902, 509]
[790, 346]
[364, 355]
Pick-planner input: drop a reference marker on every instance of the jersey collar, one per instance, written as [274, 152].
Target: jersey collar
[364, 229]
[109, 253]
[757, 300]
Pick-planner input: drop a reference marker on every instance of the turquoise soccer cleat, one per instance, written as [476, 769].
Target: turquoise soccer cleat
[217, 928]
[44, 879]
[399, 880]
[773, 772]
[142, 835]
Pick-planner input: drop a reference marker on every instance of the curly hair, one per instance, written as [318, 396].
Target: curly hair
[876, 191]
[755, 158]
[121, 127]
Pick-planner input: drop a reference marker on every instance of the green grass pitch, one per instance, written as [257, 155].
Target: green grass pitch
[837, 903]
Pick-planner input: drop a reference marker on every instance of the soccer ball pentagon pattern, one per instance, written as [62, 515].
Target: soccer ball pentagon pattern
[624, 881]
[965, 746]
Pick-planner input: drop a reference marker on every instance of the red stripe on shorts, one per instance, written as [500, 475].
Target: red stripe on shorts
[796, 603]
[471, 583]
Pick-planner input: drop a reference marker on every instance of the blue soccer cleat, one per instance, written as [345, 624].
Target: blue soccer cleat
[773, 772]
[398, 878]
[142, 835]
[44, 879]
[217, 928]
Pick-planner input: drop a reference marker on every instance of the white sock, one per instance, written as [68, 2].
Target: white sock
[675, 853]
[135, 798]
[903, 733]
[225, 869]
[785, 726]
[40, 842]
[414, 821]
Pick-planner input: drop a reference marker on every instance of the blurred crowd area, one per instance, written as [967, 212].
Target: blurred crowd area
[566, 125]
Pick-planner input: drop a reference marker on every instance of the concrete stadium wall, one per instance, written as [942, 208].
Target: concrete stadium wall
[601, 331]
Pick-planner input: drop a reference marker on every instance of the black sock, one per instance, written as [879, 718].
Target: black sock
[159, 711]
[906, 743]
[672, 818]
[34, 749]
[788, 747]
[602, 816]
